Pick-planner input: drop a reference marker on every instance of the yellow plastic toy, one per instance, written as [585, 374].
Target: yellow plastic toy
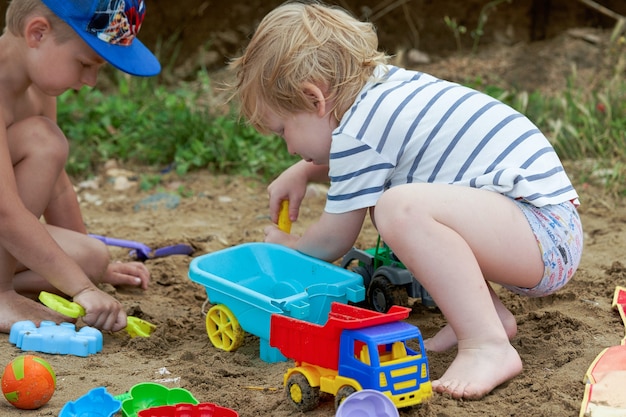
[284, 223]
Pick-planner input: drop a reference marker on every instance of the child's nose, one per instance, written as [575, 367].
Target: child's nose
[90, 78]
[291, 150]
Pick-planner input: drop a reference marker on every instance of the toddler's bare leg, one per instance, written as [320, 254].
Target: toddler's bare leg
[454, 239]
[446, 339]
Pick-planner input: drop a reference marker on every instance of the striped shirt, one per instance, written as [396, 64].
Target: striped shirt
[407, 126]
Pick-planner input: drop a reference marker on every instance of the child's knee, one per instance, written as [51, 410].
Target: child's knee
[40, 136]
[95, 259]
[52, 138]
[392, 207]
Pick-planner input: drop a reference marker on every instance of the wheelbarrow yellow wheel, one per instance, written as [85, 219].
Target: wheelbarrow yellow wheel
[223, 328]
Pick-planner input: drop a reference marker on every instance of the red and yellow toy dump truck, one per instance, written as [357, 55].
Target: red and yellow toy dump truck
[355, 349]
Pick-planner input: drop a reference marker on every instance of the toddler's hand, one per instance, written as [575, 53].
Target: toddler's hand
[274, 235]
[127, 273]
[290, 186]
[101, 310]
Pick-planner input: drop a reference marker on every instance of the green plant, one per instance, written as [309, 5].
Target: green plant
[593, 125]
[478, 32]
[457, 30]
[149, 181]
[146, 123]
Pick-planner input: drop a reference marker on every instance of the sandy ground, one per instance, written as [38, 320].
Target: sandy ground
[559, 336]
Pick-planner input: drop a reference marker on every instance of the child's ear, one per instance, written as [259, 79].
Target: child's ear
[35, 30]
[316, 95]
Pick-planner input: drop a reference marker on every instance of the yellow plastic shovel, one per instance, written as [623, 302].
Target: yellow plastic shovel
[284, 223]
[134, 326]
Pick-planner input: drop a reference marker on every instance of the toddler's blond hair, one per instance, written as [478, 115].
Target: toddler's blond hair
[302, 42]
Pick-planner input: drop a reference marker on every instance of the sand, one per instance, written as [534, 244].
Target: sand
[559, 336]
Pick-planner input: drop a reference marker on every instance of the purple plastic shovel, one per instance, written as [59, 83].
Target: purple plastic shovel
[143, 251]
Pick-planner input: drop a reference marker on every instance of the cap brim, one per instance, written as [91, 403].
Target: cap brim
[134, 59]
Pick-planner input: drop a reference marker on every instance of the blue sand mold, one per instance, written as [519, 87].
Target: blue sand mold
[54, 338]
[96, 403]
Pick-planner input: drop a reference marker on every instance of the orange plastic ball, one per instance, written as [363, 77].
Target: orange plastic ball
[28, 382]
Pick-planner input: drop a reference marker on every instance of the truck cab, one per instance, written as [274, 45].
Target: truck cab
[389, 358]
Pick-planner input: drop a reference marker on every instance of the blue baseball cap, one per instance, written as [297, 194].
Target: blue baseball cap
[110, 28]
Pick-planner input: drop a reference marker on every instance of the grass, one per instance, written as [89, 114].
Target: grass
[183, 129]
[170, 128]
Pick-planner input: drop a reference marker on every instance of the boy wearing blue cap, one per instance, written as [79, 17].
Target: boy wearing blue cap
[47, 48]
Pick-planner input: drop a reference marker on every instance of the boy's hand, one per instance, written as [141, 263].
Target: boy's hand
[127, 273]
[101, 310]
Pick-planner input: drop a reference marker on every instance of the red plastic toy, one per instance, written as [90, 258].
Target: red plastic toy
[189, 410]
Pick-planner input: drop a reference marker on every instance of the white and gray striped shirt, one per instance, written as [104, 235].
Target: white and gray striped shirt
[408, 126]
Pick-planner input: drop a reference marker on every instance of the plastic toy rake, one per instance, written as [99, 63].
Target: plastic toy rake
[134, 325]
[142, 251]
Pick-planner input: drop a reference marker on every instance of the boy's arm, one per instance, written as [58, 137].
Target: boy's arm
[63, 209]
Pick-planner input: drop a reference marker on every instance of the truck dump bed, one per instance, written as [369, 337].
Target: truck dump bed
[319, 344]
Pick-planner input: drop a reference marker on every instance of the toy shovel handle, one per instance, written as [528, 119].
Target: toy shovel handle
[284, 223]
[180, 249]
[123, 243]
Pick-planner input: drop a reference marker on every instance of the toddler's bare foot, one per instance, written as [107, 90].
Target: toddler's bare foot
[477, 370]
[444, 339]
[14, 308]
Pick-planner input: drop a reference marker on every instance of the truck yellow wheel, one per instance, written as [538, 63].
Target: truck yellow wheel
[343, 393]
[301, 393]
[223, 328]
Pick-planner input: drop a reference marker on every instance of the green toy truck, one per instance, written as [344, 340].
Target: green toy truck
[386, 279]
